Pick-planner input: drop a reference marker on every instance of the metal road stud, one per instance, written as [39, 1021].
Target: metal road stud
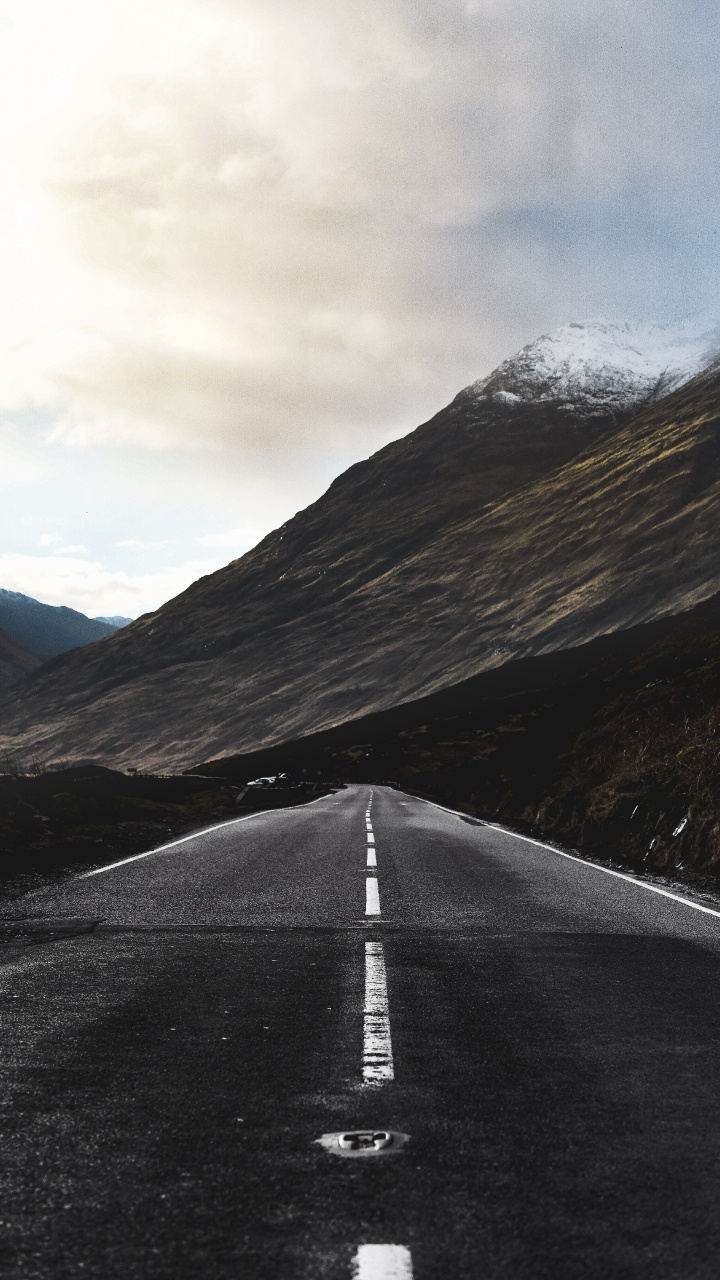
[361, 1139]
[361, 1143]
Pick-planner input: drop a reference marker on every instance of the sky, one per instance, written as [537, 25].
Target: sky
[244, 243]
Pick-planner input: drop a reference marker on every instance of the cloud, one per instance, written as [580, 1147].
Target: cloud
[256, 230]
[240, 539]
[88, 586]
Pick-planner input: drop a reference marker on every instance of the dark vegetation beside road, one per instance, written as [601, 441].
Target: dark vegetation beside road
[612, 747]
[68, 820]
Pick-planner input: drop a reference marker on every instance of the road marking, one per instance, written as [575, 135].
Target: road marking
[620, 875]
[372, 897]
[377, 1045]
[172, 843]
[371, 858]
[592, 866]
[382, 1262]
[370, 837]
[261, 813]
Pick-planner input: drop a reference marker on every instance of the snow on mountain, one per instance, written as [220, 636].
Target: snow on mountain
[602, 366]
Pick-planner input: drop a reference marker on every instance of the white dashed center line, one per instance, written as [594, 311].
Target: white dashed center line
[377, 1261]
[382, 1262]
[377, 1045]
[372, 897]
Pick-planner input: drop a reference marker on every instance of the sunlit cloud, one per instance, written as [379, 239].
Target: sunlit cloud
[88, 586]
[234, 538]
[246, 227]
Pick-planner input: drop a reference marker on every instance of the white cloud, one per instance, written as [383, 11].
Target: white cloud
[73, 550]
[49, 539]
[251, 228]
[88, 586]
[241, 539]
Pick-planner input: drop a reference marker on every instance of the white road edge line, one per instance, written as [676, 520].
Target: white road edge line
[382, 1262]
[372, 896]
[377, 1044]
[171, 845]
[371, 858]
[195, 836]
[593, 866]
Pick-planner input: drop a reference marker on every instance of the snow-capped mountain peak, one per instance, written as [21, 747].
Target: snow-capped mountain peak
[602, 366]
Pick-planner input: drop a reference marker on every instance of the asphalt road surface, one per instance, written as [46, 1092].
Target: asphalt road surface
[178, 1030]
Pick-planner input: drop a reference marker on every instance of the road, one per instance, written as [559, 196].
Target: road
[179, 1030]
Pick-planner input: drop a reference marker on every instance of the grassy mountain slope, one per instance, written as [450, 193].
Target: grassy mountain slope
[15, 661]
[469, 544]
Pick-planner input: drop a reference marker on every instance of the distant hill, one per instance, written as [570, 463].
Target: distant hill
[572, 493]
[115, 620]
[48, 629]
[15, 661]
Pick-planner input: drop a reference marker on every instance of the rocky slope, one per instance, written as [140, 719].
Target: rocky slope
[565, 496]
[15, 661]
[49, 629]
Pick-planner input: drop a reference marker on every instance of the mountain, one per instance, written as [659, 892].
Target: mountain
[49, 629]
[15, 661]
[572, 492]
[114, 621]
